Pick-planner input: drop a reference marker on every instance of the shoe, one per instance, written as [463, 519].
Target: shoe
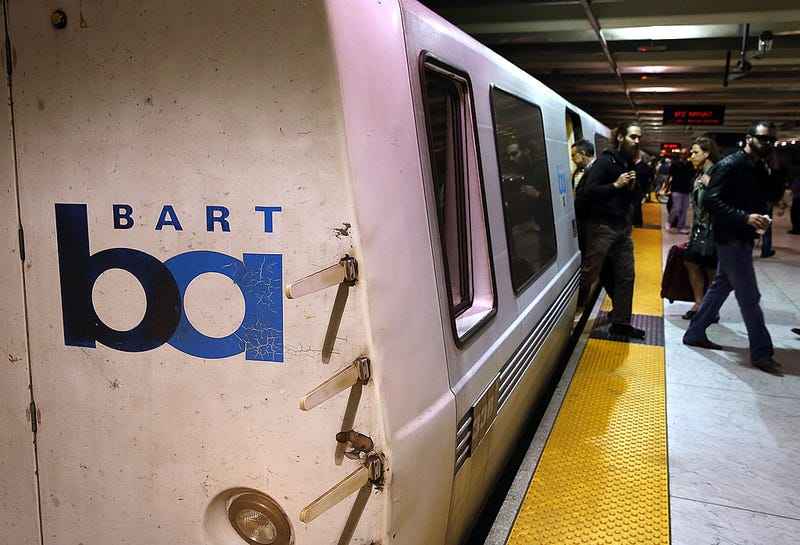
[668, 225]
[767, 253]
[703, 344]
[769, 366]
[796, 330]
[683, 231]
[627, 330]
[690, 314]
[793, 232]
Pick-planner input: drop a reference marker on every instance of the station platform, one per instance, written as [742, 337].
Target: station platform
[655, 442]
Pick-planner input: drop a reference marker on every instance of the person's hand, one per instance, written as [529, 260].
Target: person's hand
[758, 221]
[626, 179]
[530, 191]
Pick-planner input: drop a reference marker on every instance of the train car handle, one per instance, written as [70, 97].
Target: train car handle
[370, 472]
[344, 271]
[359, 372]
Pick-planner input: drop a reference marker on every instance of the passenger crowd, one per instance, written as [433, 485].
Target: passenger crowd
[731, 201]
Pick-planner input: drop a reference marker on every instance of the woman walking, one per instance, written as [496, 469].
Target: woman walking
[701, 258]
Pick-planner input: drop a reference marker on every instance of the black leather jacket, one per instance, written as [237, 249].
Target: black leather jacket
[739, 186]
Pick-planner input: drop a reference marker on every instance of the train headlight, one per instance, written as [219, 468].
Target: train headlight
[259, 520]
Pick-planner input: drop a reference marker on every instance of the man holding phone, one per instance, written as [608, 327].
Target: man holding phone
[738, 198]
[610, 188]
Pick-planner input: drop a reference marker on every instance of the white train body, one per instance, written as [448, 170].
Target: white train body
[175, 168]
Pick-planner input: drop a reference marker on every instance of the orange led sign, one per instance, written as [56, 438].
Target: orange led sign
[694, 115]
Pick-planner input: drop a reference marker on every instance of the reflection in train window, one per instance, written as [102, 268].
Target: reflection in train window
[600, 144]
[458, 190]
[574, 133]
[525, 187]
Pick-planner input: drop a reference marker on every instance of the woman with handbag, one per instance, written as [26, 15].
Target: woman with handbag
[701, 258]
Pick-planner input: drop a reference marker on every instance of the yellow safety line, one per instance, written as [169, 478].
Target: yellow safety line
[647, 255]
[651, 214]
[603, 475]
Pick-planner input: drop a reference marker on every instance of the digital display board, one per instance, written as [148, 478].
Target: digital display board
[694, 115]
[670, 147]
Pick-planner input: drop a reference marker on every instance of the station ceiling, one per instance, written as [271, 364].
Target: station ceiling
[623, 59]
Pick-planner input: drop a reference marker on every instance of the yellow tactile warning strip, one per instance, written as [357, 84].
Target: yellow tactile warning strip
[603, 476]
[647, 288]
[651, 214]
[647, 255]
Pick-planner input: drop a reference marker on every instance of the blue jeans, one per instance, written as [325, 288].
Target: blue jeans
[677, 215]
[735, 273]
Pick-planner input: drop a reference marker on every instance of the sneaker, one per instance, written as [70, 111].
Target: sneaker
[767, 253]
[683, 231]
[627, 330]
[769, 366]
[668, 225]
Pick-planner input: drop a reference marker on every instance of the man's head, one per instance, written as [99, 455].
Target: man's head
[582, 153]
[760, 139]
[626, 139]
[518, 152]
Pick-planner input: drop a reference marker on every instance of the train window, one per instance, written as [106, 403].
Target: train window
[458, 190]
[574, 133]
[525, 187]
[600, 144]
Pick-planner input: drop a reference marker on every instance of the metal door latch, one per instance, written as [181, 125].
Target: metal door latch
[358, 372]
[371, 472]
[344, 271]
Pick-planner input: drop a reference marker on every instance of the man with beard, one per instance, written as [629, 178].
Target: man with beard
[529, 205]
[611, 188]
[741, 189]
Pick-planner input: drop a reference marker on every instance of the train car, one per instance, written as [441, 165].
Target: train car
[274, 272]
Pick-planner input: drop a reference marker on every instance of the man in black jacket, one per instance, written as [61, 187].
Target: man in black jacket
[583, 157]
[611, 188]
[741, 189]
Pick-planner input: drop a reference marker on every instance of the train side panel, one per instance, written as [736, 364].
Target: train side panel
[399, 277]
[18, 495]
[179, 164]
[507, 363]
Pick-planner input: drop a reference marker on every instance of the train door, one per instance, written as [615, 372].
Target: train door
[19, 510]
[461, 228]
[460, 206]
[459, 143]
